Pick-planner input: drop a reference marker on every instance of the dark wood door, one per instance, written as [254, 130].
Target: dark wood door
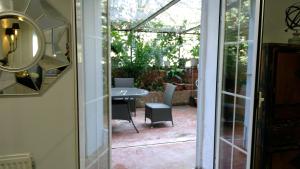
[277, 127]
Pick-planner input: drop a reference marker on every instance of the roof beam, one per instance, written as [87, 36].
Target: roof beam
[173, 2]
[147, 31]
[195, 27]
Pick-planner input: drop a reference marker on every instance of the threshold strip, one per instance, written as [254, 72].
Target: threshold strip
[154, 144]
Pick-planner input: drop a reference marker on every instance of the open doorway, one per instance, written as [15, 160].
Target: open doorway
[153, 44]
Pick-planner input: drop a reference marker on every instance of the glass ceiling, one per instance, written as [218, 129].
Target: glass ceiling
[176, 15]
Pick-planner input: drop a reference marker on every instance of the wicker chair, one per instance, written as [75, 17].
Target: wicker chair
[124, 82]
[158, 112]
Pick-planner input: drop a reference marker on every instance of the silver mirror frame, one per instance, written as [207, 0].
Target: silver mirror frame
[40, 34]
[54, 57]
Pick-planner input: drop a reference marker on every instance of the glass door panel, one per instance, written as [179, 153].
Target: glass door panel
[237, 76]
[93, 83]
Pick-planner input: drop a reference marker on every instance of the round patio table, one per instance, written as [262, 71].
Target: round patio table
[128, 92]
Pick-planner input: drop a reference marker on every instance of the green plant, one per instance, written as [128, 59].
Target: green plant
[181, 63]
[120, 45]
[196, 49]
[152, 80]
[175, 75]
[170, 44]
[136, 55]
[132, 55]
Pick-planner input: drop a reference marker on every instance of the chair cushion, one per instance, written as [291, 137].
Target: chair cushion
[157, 106]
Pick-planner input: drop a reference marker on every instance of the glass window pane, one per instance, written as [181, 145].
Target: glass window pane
[127, 13]
[244, 20]
[225, 155]
[231, 21]
[242, 83]
[229, 67]
[241, 122]
[239, 160]
[184, 15]
[227, 117]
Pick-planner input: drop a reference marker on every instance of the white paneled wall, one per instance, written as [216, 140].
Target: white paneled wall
[45, 125]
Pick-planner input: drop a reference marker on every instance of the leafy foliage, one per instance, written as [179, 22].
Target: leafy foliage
[196, 49]
[137, 55]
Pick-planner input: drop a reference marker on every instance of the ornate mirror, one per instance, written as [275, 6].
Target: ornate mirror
[34, 46]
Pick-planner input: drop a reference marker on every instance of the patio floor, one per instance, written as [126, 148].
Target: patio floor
[160, 147]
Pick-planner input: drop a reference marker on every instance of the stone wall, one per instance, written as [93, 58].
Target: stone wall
[181, 97]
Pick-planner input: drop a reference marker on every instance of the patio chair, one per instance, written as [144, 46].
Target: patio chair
[120, 111]
[124, 82]
[158, 112]
[127, 82]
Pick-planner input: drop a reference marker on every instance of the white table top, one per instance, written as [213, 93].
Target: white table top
[128, 92]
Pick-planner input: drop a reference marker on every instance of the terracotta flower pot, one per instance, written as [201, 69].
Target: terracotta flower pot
[179, 86]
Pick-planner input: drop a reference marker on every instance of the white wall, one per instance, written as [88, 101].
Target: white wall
[45, 125]
[274, 21]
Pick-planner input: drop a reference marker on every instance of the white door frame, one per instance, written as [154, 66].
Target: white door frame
[207, 80]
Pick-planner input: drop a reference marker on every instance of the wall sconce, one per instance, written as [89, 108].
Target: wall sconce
[12, 34]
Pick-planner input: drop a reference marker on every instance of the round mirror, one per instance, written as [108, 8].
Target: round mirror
[21, 43]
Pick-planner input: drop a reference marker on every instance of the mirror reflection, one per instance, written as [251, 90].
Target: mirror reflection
[34, 47]
[19, 43]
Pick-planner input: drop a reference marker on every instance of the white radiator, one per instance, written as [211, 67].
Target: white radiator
[17, 161]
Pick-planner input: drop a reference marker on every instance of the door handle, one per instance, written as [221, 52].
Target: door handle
[261, 99]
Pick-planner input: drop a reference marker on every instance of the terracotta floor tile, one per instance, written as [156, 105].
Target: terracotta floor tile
[180, 155]
[161, 147]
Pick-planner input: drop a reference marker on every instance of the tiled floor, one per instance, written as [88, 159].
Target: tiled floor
[161, 147]
[180, 155]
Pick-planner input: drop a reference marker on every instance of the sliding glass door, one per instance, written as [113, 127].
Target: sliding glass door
[238, 46]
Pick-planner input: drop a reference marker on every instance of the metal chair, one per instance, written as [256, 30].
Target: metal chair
[158, 112]
[127, 82]
[120, 111]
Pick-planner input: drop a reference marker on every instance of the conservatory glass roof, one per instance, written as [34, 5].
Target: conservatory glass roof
[181, 16]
